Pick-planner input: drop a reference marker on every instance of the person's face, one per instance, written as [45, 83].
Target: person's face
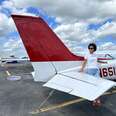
[91, 49]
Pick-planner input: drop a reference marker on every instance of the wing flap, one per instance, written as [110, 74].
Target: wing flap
[80, 84]
[58, 87]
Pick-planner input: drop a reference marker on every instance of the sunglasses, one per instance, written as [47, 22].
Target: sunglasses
[91, 48]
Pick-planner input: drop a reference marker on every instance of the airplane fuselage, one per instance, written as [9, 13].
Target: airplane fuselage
[108, 70]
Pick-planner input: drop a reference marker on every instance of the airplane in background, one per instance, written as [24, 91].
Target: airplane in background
[9, 60]
[56, 66]
[107, 57]
[101, 54]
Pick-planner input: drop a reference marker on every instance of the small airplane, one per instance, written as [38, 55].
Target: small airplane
[12, 60]
[56, 65]
[100, 54]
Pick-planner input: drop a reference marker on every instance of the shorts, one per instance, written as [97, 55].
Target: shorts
[93, 72]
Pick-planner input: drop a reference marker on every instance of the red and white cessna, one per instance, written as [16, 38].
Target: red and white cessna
[54, 64]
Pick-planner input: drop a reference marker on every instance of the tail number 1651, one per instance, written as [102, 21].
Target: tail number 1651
[109, 71]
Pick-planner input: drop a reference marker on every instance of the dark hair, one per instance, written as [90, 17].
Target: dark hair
[93, 45]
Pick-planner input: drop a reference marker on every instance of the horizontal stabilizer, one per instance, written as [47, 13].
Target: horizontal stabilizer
[80, 84]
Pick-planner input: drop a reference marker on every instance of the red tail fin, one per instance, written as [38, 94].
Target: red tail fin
[40, 41]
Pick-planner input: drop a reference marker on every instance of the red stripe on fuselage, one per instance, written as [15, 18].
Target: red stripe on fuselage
[104, 58]
[40, 41]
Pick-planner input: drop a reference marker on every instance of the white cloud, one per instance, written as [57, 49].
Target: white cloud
[7, 24]
[108, 46]
[75, 12]
[12, 43]
[74, 9]
[108, 8]
[14, 47]
[107, 29]
[73, 16]
[77, 49]
[73, 31]
[77, 31]
[8, 5]
[70, 13]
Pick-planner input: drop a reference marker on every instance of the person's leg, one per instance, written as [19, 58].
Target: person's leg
[96, 102]
[94, 72]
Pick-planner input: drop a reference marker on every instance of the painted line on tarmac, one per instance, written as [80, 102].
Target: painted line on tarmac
[64, 104]
[8, 73]
[57, 106]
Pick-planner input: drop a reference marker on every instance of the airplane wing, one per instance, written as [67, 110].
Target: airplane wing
[80, 84]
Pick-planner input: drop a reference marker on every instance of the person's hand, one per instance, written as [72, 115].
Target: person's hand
[81, 70]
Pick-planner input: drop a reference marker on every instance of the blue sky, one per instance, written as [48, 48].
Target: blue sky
[77, 28]
[96, 26]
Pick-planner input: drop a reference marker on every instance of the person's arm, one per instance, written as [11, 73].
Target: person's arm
[83, 65]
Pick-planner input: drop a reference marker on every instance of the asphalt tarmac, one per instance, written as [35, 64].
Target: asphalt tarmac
[23, 97]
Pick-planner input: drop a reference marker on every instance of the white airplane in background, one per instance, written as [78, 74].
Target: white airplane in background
[107, 57]
[55, 65]
[13, 60]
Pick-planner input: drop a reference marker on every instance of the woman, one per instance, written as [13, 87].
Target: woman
[91, 64]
